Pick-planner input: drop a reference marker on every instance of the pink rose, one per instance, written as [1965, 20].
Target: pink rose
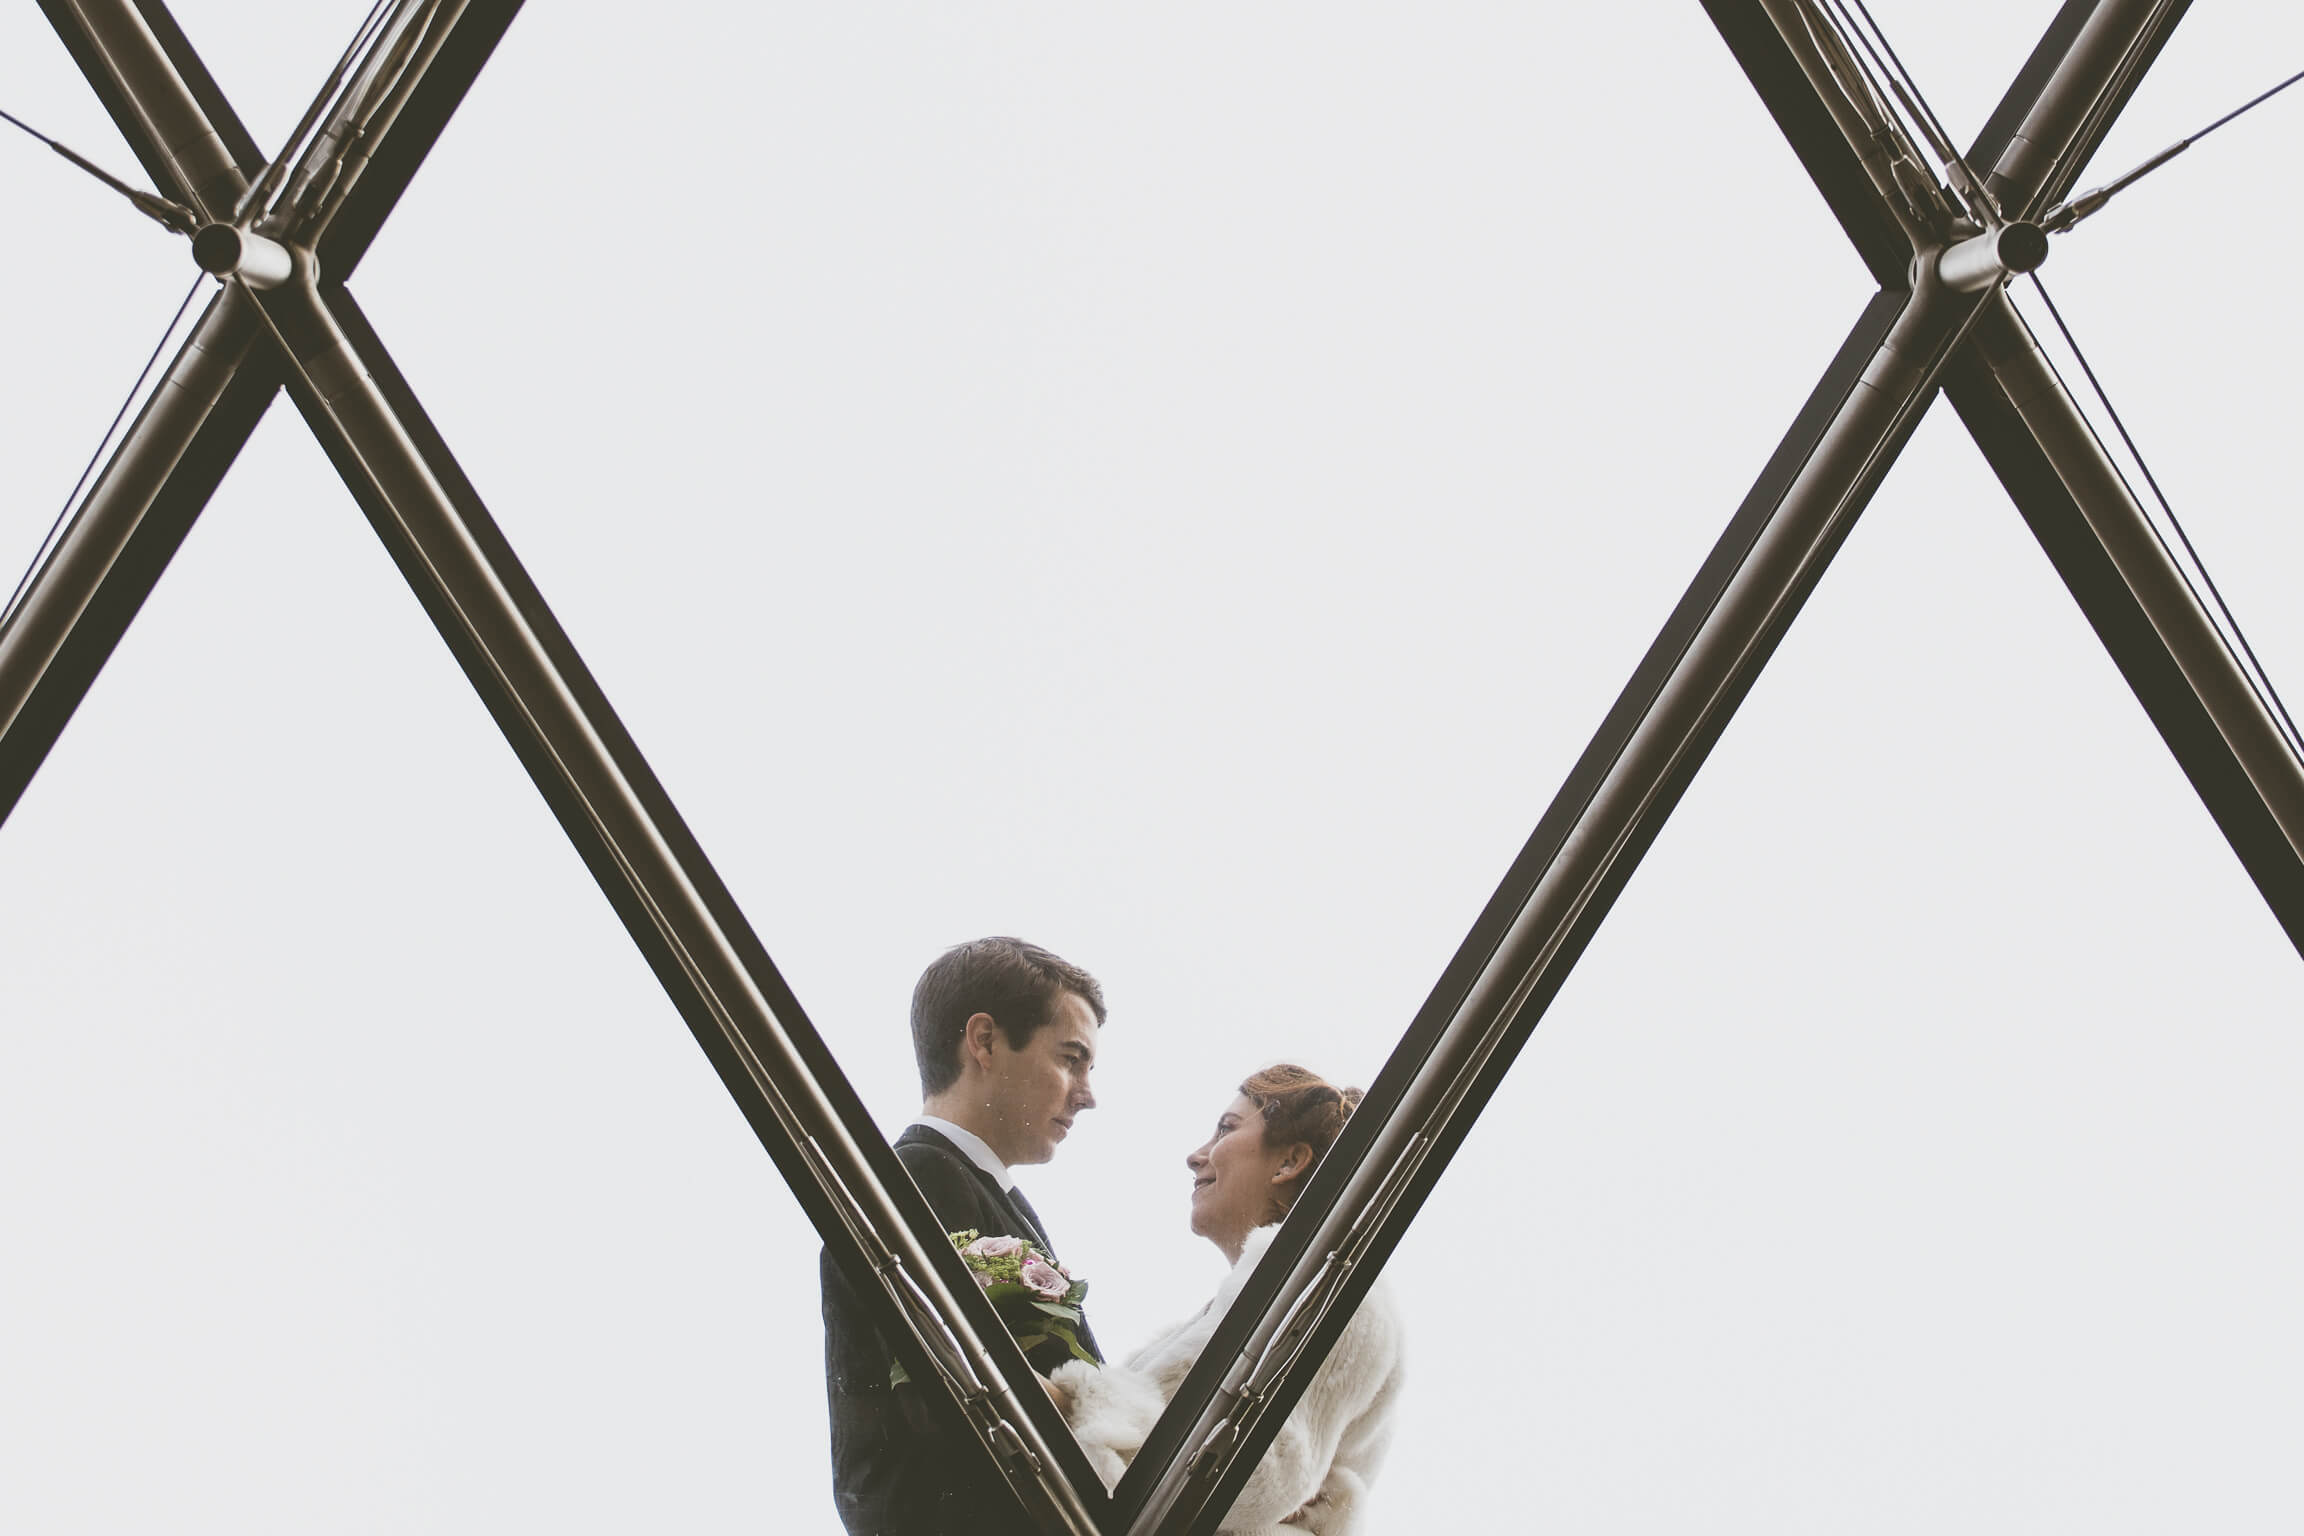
[994, 1247]
[1044, 1280]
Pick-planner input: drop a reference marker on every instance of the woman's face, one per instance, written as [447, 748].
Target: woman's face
[1236, 1177]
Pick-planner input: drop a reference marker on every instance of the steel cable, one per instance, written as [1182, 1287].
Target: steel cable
[2065, 216]
[152, 205]
[2259, 680]
[1904, 88]
[48, 543]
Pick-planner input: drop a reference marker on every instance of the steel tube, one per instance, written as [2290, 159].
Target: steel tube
[2099, 538]
[168, 121]
[2068, 118]
[458, 41]
[1876, 139]
[2104, 545]
[2125, 531]
[614, 812]
[1814, 125]
[1696, 674]
[223, 251]
[126, 529]
[1991, 258]
[514, 656]
[1604, 818]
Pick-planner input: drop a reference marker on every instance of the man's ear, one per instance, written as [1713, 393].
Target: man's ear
[976, 1037]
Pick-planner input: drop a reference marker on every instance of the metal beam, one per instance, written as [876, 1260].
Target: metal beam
[140, 508]
[2099, 538]
[1297, 1304]
[1805, 117]
[433, 524]
[1536, 927]
[461, 38]
[2103, 544]
[2101, 51]
[612, 808]
[1532, 932]
[136, 514]
[125, 531]
[161, 98]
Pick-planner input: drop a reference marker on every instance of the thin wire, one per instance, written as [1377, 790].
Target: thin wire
[1910, 187]
[2066, 215]
[47, 544]
[1910, 84]
[2236, 111]
[151, 204]
[2269, 693]
[1920, 103]
[268, 183]
[28, 128]
[325, 191]
[1876, 76]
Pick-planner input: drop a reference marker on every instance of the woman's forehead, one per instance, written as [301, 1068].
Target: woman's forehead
[1242, 1107]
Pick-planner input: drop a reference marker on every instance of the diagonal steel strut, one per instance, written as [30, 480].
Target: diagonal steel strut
[288, 323]
[1913, 337]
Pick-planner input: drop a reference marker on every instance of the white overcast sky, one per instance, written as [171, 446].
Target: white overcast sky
[1181, 487]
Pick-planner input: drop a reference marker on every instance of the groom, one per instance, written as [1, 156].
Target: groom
[1005, 1034]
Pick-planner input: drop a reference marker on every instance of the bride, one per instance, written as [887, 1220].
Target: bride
[1315, 1477]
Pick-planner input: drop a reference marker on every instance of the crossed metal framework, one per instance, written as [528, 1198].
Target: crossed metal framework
[282, 236]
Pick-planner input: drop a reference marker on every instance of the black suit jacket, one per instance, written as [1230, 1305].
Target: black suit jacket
[902, 1463]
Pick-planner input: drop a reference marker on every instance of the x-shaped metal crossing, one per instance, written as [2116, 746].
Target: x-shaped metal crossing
[282, 236]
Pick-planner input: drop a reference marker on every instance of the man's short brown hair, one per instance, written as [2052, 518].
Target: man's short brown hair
[1015, 982]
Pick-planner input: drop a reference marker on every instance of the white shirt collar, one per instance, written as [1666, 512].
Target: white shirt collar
[972, 1145]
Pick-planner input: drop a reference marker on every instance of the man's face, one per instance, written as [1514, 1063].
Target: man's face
[1034, 1094]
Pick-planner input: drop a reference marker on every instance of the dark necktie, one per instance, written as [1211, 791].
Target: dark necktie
[1031, 1219]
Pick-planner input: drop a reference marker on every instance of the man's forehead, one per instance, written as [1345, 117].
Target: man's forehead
[1073, 1022]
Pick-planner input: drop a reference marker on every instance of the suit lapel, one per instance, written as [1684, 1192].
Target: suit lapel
[1023, 1220]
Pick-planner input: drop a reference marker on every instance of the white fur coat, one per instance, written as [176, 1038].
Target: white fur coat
[1322, 1461]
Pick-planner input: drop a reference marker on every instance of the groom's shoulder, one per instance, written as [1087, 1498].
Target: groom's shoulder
[943, 1171]
[921, 1147]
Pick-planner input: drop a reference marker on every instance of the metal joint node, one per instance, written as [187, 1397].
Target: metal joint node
[225, 251]
[1982, 261]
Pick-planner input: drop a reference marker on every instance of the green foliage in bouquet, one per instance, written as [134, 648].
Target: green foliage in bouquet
[1032, 1293]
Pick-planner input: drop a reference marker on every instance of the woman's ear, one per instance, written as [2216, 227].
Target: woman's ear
[1293, 1162]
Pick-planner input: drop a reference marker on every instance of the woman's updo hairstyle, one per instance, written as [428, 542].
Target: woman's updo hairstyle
[1299, 1106]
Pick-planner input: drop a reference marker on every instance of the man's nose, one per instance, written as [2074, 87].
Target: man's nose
[1084, 1097]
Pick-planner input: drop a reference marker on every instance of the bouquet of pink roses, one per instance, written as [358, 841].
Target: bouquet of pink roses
[1034, 1295]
